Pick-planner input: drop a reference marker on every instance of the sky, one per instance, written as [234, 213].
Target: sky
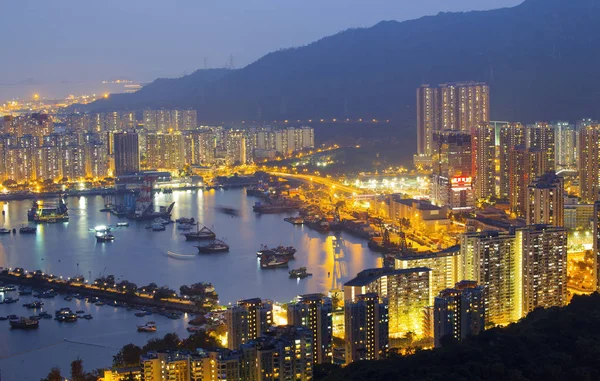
[63, 46]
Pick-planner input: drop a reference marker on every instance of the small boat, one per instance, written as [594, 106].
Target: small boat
[187, 221]
[122, 224]
[200, 234]
[216, 246]
[4, 231]
[299, 273]
[105, 209]
[180, 256]
[87, 317]
[36, 304]
[99, 303]
[273, 262]
[294, 220]
[140, 314]
[157, 227]
[288, 251]
[27, 230]
[79, 312]
[105, 237]
[25, 291]
[45, 315]
[10, 300]
[228, 210]
[24, 323]
[148, 327]
[2, 318]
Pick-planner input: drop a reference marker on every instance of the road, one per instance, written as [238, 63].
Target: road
[334, 185]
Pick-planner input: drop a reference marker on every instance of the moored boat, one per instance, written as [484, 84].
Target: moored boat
[216, 246]
[294, 220]
[122, 224]
[36, 304]
[24, 323]
[158, 227]
[273, 262]
[105, 237]
[180, 256]
[148, 327]
[27, 230]
[299, 273]
[4, 231]
[286, 251]
[200, 234]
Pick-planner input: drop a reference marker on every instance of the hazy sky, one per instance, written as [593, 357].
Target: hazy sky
[56, 42]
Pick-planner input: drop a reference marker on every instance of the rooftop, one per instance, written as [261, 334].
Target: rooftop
[367, 276]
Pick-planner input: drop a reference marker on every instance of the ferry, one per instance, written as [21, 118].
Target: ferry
[40, 213]
[200, 234]
[216, 246]
[24, 323]
[148, 327]
[27, 230]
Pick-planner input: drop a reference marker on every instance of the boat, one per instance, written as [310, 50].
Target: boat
[4, 231]
[27, 230]
[273, 262]
[184, 227]
[274, 208]
[36, 304]
[10, 300]
[194, 329]
[25, 291]
[148, 327]
[299, 273]
[122, 224]
[228, 210]
[200, 234]
[156, 226]
[65, 315]
[188, 221]
[45, 315]
[216, 246]
[288, 251]
[50, 213]
[105, 237]
[24, 323]
[140, 314]
[294, 220]
[105, 209]
[180, 256]
[87, 317]
[79, 312]
[99, 303]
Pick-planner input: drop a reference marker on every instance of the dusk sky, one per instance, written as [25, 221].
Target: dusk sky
[71, 45]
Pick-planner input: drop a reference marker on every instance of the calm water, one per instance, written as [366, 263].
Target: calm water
[139, 255]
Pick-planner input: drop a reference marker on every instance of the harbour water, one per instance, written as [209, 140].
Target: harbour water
[139, 255]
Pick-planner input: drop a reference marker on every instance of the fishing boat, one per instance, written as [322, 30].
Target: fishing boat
[148, 327]
[4, 231]
[24, 323]
[216, 246]
[273, 262]
[299, 273]
[180, 256]
[27, 230]
[200, 234]
[122, 224]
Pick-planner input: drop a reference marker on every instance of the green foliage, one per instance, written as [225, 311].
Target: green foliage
[169, 342]
[129, 355]
[54, 375]
[199, 339]
[551, 344]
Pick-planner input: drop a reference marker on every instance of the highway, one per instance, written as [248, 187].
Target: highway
[334, 185]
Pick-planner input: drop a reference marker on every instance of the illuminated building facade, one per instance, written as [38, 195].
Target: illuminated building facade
[566, 145]
[525, 165]
[126, 153]
[459, 312]
[546, 202]
[589, 162]
[408, 292]
[543, 249]
[366, 328]
[247, 320]
[510, 136]
[314, 312]
[484, 153]
[165, 150]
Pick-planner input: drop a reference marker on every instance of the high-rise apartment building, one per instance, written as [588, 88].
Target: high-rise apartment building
[247, 320]
[459, 312]
[546, 203]
[589, 162]
[366, 328]
[314, 311]
[490, 259]
[510, 136]
[408, 292]
[596, 247]
[165, 366]
[444, 265]
[165, 150]
[543, 250]
[126, 153]
[541, 136]
[427, 118]
[566, 145]
[483, 140]
[199, 147]
[524, 166]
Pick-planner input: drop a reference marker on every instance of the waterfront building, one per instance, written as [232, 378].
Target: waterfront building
[525, 165]
[459, 312]
[366, 328]
[444, 265]
[566, 145]
[408, 292]
[314, 311]
[543, 250]
[589, 162]
[541, 136]
[484, 155]
[546, 201]
[490, 259]
[510, 136]
[126, 153]
[247, 320]
[418, 212]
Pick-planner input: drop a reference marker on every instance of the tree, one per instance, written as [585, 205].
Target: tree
[169, 342]
[129, 355]
[199, 339]
[54, 375]
[77, 373]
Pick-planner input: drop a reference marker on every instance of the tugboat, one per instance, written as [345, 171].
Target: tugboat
[148, 327]
[299, 273]
[23, 323]
[105, 236]
[200, 234]
[27, 230]
[216, 246]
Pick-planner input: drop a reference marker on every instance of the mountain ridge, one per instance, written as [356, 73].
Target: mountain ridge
[539, 58]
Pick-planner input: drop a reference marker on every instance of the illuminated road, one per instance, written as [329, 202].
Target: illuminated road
[337, 186]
